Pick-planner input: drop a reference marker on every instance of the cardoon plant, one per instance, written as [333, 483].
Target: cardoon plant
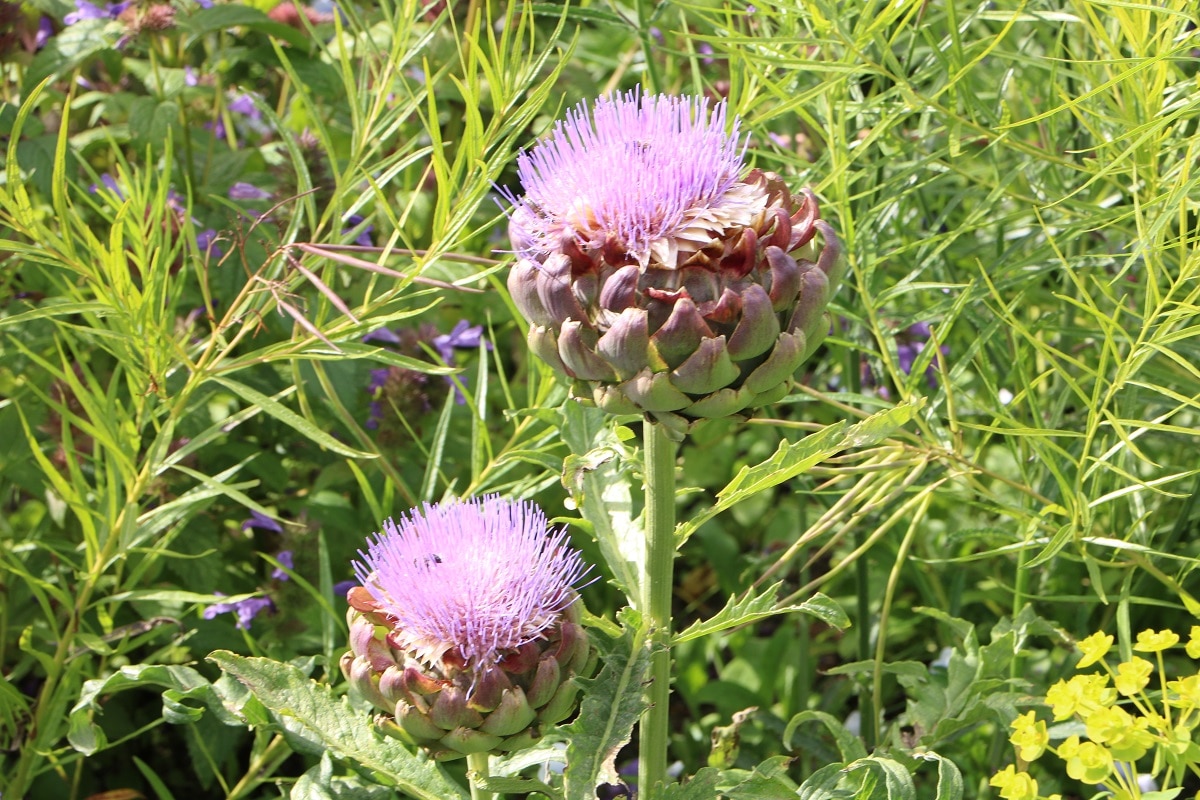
[465, 630]
[656, 272]
[661, 276]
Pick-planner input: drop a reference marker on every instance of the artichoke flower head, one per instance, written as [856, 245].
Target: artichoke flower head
[656, 272]
[465, 631]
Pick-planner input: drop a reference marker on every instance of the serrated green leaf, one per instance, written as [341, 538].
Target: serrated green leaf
[950, 782]
[87, 737]
[824, 785]
[310, 714]
[896, 779]
[849, 745]
[523, 786]
[602, 489]
[795, 458]
[752, 608]
[320, 784]
[767, 781]
[612, 703]
[701, 786]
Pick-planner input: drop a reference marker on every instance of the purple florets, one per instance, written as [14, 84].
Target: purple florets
[262, 522]
[470, 579]
[635, 169]
[86, 10]
[246, 610]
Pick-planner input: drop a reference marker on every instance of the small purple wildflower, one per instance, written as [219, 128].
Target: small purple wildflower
[85, 10]
[261, 522]
[109, 183]
[243, 104]
[217, 127]
[577, 181]
[247, 191]
[190, 78]
[910, 344]
[205, 3]
[463, 336]
[246, 610]
[206, 242]
[379, 378]
[45, 30]
[477, 577]
[402, 389]
[374, 415]
[341, 587]
[177, 203]
[286, 559]
[364, 236]
[386, 335]
[706, 53]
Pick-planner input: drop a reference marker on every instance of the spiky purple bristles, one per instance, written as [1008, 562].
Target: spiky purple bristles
[633, 170]
[478, 577]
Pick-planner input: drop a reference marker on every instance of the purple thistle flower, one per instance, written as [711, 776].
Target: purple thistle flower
[638, 169]
[261, 522]
[247, 191]
[246, 610]
[286, 559]
[470, 579]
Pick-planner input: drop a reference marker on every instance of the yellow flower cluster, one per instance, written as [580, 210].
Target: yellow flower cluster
[1122, 721]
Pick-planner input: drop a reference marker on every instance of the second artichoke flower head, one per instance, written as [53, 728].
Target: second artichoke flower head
[465, 630]
[659, 274]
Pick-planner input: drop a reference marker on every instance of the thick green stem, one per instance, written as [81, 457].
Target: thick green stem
[478, 764]
[657, 583]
